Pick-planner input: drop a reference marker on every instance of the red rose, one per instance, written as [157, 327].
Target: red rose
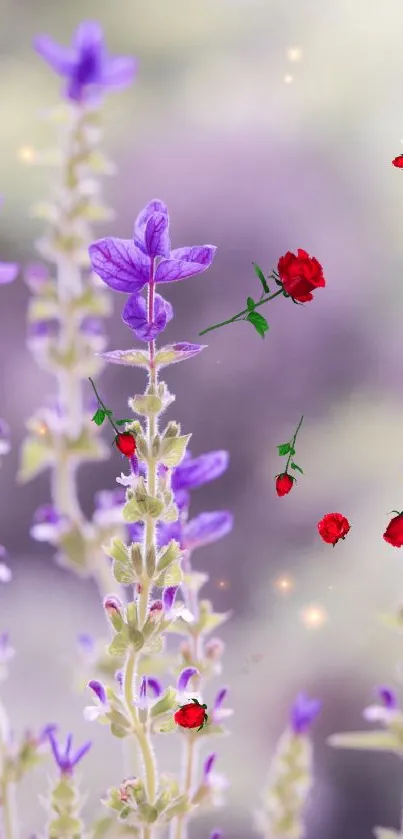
[398, 161]
[192, 715]
[394, 532]
[126, 443]
[333, 527]
[300, 275]
[284, 484]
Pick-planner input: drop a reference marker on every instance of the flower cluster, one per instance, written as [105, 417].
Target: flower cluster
[291, 776]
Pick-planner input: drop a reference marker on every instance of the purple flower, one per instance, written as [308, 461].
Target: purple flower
[8, 272]
[127, 265]
[86, 643]
[202, 530]
[101, 707]
[216, 834]
[208, 764]
[135, 315]
[65, 760]
[86, 65]
[303, 713]
[146, 685]
[184, 678]
[388, 697]
[47, 524]
[194, 472]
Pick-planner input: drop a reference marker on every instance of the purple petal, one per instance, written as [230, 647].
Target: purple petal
[185, 676]
[191, 474]
[156, 235]
[8, 272]
[154, 206]
[136, 531]
[120, 264]
[206, 528]
[185, 262]
[106, 499]
[143, 688]
[88, 35]
[119, 72]
[388, 697]
[168, 597]
[182, 499]
[135, 316]
[92, 326]
[60, 59]
[47, 514]
[166, 532]
[208, 765]
[54, 746]
[303, 713]
[220, 698]
[80, 753]
[99, 690]
[69, 743]
[155, 686]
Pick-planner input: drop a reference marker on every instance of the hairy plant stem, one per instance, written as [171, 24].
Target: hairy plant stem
[8, 811]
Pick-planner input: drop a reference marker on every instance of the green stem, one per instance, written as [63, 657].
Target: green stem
[7, 799]
[103, 407]
[292, 444]
[241, 314]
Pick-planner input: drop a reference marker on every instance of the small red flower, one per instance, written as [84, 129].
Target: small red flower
[126, 443]
[192, 715]
[300, 275]
[333, 527]
[284, 484]
[398, 161]
[394, 532]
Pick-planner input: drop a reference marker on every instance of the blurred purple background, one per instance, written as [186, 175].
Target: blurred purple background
[257, 153]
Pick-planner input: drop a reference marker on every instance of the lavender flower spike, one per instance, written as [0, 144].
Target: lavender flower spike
[86, 65]
[65, 760]
[125, 264]
[303, 713]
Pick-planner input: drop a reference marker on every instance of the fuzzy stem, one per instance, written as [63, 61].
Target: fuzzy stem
[8, 811]
[179, 825]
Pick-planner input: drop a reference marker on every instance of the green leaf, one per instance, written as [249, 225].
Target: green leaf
[259, 322]
[250, 303]
[129, 358]
[123, 421]
[119, 644]
[173, 353]
[99, 417]
[262, 278]
[119, 731]
[173, 450]
[285, 448]
[35, 457]
[167, 702]
[298, 468]
[377, 741]
[123, 574]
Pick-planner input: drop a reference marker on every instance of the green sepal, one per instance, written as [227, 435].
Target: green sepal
[146, 405]
[167, 702]
[120, 643]
[172, 450]
[148, 813]
[35, 457]
[124, 574]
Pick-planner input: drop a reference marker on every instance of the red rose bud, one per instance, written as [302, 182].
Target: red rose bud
[398, 162]
[333, 527]
[126, 443]
[192, 715]
[284, 484]
[394, 532]
[300, 275]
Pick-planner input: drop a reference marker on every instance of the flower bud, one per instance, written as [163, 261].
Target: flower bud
[156, 610]
[186, 652]
[113, 608]
[214, 649]
[284, 484]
